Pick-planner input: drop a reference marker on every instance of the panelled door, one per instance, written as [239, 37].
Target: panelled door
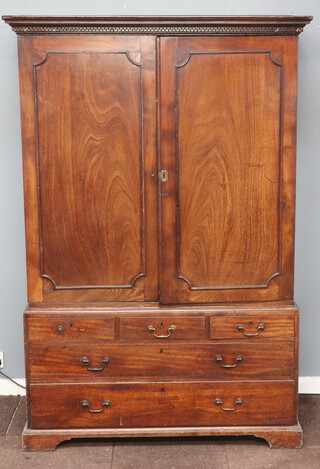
[226, 145]
[89, 120]
[228, 152]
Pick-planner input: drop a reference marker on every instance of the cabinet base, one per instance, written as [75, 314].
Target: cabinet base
[276, 436]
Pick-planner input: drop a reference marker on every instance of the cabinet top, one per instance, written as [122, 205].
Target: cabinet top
[159, 25]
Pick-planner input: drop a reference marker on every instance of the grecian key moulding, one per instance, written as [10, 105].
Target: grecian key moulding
[159, 177]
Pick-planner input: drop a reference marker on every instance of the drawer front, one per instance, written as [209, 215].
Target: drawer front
[74, 327]
[162, 404]
[259, 327]
[159, 329]
[213, 361]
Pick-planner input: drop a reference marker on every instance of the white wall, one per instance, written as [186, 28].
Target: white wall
[12, 255]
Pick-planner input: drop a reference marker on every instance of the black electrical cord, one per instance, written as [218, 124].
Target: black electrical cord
[10, 379]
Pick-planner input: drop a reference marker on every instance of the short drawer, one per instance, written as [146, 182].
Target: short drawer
[200, 361]
[162, 404]
[257, 327]
[71, 327]
[156, 328]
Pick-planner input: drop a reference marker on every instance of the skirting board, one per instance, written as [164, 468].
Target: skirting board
[7, 388]
[307, 385]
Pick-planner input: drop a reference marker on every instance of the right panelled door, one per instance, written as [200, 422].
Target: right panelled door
[227, 119]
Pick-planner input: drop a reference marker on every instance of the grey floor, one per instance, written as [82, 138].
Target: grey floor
[193, 453]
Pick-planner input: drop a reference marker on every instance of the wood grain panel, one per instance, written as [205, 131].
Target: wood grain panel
[89, 125]
[227, 210]
[149, 76]
[77, 295]
[30, 174]
[290, 63]
[228, 144]
[81, 327]
[50, 362]
[276, 328]
[141, 237]
[167, 404]
[271, 293]
[186, 328]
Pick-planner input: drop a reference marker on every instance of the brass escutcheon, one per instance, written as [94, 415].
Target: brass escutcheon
[164, 176]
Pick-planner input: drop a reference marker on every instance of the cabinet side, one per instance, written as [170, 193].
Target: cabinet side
[30, 173]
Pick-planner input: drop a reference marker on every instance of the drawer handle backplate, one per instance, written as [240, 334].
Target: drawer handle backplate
[238, 360]
[86, 362]
[238, 401]
[85, 404]
[171, 329]
[241, 328]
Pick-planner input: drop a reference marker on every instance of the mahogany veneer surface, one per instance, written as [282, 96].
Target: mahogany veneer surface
[159, 182]
[161, 404]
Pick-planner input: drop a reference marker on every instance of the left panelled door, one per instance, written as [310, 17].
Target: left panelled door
[89, 155]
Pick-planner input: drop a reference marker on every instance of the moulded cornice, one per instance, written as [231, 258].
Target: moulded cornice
[159, 25]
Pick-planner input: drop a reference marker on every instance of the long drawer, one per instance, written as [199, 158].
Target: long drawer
[210, 361]
[162, 404]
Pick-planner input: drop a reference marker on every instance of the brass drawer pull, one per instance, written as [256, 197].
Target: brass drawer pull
[241, 328]
[85, 404]
[171, 329]
[60, 328]
[86, 362]
[238, 401]
[238, 360]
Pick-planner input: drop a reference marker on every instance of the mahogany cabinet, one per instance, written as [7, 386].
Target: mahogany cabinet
[159, 178]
